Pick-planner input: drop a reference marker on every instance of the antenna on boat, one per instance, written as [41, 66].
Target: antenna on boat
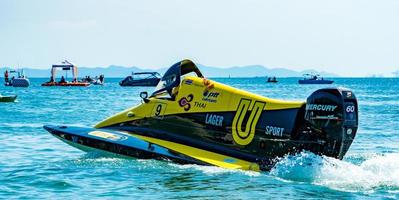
[65, 62]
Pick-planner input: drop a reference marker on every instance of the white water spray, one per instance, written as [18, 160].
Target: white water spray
[376, 172]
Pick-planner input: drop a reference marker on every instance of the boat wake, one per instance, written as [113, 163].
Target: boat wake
[366, 174]
[213, 170]
[373, 173]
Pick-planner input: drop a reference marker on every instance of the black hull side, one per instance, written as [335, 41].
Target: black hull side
[264, 152]
[136, 148]
[190, 129]
[130, 147]
[143, 82]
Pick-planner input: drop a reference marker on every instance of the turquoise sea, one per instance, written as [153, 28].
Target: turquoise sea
[35, 165]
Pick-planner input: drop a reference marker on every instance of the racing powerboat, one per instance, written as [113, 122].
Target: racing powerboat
[189, 119]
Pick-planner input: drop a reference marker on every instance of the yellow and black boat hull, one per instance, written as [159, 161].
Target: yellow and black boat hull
[194, 120]
[144, 147]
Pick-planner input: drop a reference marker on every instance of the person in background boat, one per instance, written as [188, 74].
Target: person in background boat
[51, 80]
[6, 76]
[101, 78]
[62, 80]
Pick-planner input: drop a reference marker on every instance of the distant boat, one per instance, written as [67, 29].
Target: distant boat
[10, 98]
[96, 81]
[141, 79]
[272, 79]
[20, 81]
[314, 79]
[65, 66]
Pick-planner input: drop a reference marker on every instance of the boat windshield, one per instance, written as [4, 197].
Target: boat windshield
[145, 75]
[172, 77]
[311, 76]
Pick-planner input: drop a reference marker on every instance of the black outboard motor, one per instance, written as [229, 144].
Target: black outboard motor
[333, 114]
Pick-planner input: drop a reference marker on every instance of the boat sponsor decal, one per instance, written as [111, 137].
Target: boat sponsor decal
[348, 94]
[200, 104]
[332, 117]
[350, 109]
[210, 96]
[321, 107]
[108, 136]
[75, 138]
[185, 102]
[230, 160]
[244, 137]
[159, 110]
[188, 82]
[274, 131]
[209, 85]
[215, 120]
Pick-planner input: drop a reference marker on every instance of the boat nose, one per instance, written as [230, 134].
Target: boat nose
[49, 128]
[52, 128]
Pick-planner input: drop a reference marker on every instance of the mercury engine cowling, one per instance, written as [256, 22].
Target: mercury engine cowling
[332, 114]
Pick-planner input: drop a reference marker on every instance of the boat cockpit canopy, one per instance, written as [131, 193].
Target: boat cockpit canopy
[172, 77]
[311, 76]
[66, 66]
[145, 75]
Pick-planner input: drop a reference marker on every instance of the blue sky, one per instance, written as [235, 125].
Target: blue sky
[347, 37]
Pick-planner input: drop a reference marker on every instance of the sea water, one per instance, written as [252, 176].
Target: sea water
[35, 165]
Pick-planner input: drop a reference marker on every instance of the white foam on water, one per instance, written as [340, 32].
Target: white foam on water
[97, 159]
[21, 125]
[213, 170]
[376, 172]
